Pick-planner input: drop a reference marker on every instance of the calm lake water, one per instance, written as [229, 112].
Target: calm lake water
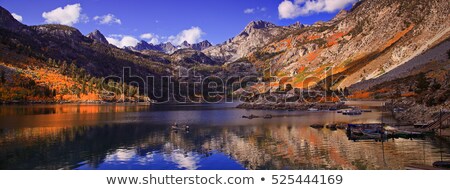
[139, 137]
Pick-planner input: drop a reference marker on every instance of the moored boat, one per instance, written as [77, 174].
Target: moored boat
[317, 126]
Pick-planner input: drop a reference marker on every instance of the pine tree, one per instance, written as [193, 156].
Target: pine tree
[83, 88]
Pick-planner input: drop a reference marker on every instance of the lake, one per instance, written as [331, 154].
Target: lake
[127, 136]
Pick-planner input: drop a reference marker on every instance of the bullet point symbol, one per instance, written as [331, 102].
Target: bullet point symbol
[262, 179]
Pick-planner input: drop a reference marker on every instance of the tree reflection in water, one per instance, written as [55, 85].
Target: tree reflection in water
[139, 138]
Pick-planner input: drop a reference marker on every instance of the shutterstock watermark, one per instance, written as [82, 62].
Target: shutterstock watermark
[190, 87]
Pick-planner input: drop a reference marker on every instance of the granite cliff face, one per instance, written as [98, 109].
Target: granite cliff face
[97, 36]
[255, 35]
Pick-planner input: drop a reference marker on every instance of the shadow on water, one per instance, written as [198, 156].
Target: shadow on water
[139, 137]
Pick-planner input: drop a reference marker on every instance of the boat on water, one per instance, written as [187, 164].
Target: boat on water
[317, 126]
[313, 109]
[332, 127]
[366, 131]
[379, 131]
[392, 132]
[352, 112]
[250, 116]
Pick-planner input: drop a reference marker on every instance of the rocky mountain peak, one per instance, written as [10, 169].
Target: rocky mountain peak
[97, 36]
[185, 43]
[201, 45]
[170, 48]
[168, 44]
[143, 45]
[297, 25]
[7, 21]
[260, 24]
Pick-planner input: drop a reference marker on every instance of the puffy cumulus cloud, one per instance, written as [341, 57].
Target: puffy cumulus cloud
[292, 9]
[68, 15]
[17, 17]
[122, 41]
[151, 38]
[108, 19]
[192, 35]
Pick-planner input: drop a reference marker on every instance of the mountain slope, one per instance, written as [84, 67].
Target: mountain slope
[168, 47]
[374, 37]
[97, 36]
[255, 35]
[30, 53]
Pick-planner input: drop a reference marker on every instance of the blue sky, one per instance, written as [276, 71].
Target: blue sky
[171, 20]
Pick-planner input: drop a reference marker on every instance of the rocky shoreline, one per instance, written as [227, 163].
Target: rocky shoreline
[409, 111]
[291, 106]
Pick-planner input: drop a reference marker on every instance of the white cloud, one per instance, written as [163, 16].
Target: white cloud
[183, 160]
[150, 37]
[17, 17]
[289, 9]
[192, 35]
[254, 10]
[68, 15]
[122, 41]
[108, 19]
[249, 11]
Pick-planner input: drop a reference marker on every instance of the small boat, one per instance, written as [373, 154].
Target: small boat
[332, 127]
[341, 126]
[352, 112]
[313, 109]
[268, 116]
[250, 116]
[333, 109]
[339, 111]
[365, 131]
[317, 126]
[420, 125]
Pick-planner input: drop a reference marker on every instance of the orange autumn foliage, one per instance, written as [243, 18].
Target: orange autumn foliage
[360, 95]
[397, 37]
[313, 55]
[313, 37]
[332, 40]
[409, 94]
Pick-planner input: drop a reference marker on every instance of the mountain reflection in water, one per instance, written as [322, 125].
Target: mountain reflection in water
[138, 137]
